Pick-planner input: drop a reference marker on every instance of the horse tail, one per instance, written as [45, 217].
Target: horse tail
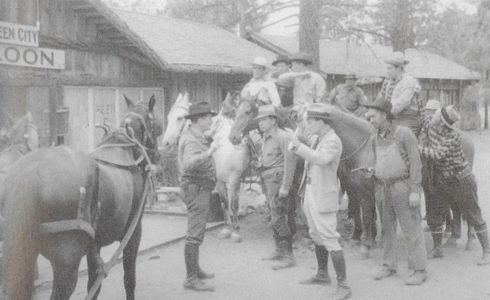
[19, 249]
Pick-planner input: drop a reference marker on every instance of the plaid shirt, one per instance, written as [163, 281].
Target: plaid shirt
[444, 148]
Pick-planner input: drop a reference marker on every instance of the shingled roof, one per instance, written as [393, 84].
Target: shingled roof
[191, 47]
[344, 57]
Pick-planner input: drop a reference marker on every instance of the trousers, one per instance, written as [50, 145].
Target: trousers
[394, 199]
[197, 199]
[280, 208]
[461, 193]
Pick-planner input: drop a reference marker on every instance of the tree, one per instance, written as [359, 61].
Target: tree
[309, 28]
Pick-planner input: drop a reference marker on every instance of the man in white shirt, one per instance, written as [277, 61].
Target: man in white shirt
[260, 88]
[309, 86]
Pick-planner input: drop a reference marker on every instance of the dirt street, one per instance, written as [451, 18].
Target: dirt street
[241, 274]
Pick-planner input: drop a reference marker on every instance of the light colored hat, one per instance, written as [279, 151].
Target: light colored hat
[397, 59]
[317, 110]
[266, 111]
[449, 115]
[433, 104]
[260, 61]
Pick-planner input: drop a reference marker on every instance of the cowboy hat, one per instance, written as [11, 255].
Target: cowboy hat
[302, 57]
[383, 105]
[317, 110]
[266, 111]
[397, 59]
[432, 104]
[449, 115]
[260, 61]
[281, 59]
[200, 109]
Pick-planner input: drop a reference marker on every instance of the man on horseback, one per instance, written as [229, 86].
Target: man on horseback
[402, 90]
[277, 171]
[349, 97]
[321, 201]
[260, 88]
[398, 179]
[197, 180]
[309, 86]
[454, 181]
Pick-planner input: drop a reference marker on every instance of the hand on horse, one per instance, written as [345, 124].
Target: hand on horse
[414, 199]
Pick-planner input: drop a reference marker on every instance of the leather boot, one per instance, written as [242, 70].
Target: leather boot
[287, 261]
[343, 290]
[201, 274]
[321, 277]
[277, 254]
[192, 282]
[483, 238]
[437, 251]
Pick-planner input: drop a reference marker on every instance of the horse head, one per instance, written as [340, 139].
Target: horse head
[140, 123]
[244, 120]
[22, 134]
[176, 121]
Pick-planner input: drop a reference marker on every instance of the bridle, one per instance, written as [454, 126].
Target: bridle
[24, 146]
[361, 146]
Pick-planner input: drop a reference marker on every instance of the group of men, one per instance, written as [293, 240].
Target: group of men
[397, 172]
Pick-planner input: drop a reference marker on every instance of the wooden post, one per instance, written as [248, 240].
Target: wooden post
[91, 119]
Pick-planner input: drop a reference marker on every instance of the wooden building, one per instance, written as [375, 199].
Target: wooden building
[440, 78]
[69, 62]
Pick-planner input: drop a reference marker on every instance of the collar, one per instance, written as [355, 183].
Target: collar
[386, 131]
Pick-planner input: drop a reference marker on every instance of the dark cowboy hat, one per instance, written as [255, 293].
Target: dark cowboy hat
[383, 105]
[281, 59]
[200, 109]
[302, 57]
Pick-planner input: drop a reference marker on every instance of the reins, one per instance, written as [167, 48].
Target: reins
[349, 156]
[148, 191]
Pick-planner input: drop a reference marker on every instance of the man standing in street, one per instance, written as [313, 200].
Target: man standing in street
[260, 88]
[277, 172]
[398, 179]
[455, 183]
[402, 91]
[321, 201]
[349, 97]
[309, 86]
[197, 181]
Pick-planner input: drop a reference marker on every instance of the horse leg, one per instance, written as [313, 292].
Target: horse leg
[354, 213]
[221, 189]
[471, 237]
[130, 254]
[233, 198]
[95, 264]
[65, 251]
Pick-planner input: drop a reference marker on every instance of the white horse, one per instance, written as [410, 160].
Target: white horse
[230, 161]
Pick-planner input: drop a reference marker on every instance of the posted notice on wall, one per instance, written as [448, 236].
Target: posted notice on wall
[32, 57]
[18, 34]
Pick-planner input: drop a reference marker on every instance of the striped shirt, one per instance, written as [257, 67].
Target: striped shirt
[444, 148]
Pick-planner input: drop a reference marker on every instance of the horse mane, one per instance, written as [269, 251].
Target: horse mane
[351, 121]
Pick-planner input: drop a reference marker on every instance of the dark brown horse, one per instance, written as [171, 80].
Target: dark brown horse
[65, 204]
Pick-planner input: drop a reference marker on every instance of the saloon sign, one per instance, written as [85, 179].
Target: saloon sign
[19, 47]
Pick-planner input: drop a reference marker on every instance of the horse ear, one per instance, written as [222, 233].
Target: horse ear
[129, 103]
[151, 105]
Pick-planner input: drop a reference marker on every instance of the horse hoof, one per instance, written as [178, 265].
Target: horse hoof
[235, 237]
[469, 245]
[224, 234]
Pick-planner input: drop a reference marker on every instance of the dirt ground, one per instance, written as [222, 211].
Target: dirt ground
[241, 274]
